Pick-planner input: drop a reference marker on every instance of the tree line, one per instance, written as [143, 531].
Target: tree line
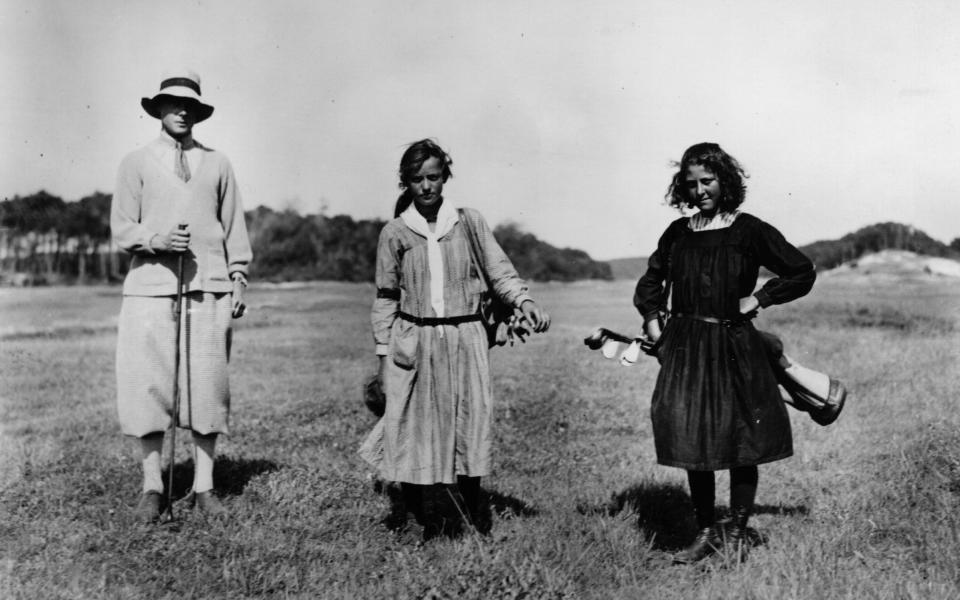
[44, 239]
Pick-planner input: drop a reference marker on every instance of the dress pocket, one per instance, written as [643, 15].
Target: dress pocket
[404, 344]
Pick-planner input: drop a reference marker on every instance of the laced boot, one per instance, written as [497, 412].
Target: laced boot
[706, 543]
[737, 539]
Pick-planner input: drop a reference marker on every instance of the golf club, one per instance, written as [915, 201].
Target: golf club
[178, 307]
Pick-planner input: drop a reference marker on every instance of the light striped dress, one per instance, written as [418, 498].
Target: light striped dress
[439, 400]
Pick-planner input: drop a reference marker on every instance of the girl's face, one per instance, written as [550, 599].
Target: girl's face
[426, 185]
[703, 189]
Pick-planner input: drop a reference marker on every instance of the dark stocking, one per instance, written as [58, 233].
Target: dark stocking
[743, 491]
[413, 499]
[470, 490]
[703, 494]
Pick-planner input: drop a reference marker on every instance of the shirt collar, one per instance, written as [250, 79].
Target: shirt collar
[167, 140]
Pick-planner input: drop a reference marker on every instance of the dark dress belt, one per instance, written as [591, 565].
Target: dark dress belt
[715, 320]
[431, 321]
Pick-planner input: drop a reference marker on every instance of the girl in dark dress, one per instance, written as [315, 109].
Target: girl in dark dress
[716, 404]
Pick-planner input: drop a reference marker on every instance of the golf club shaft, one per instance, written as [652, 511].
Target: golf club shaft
[178, 308]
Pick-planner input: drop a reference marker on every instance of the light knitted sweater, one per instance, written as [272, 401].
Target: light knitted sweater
[149, 199]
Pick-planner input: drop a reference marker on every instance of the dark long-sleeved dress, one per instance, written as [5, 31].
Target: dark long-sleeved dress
[716, 404]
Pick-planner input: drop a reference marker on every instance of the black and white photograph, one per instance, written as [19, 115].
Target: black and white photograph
[410, 299]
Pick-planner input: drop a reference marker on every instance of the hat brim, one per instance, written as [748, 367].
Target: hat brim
[201, 111]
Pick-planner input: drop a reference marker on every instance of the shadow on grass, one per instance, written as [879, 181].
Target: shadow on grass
[445, 512]
[785, 511]
[230, 475]
[504, 504]
[665, 513]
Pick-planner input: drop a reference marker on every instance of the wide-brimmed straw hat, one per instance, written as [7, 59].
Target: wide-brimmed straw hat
[178, 84]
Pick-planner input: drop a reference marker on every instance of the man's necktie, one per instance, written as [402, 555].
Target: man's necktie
[181, 165]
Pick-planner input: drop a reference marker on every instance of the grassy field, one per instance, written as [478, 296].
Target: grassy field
[867, 508]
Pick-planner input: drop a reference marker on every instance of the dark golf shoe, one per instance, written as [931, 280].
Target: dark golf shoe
[148, 508]
[210, 505]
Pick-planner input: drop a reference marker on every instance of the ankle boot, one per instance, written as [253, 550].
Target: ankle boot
[706, 543]
[737, 540]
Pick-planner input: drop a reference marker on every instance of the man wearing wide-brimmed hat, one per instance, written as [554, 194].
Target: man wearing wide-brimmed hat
[173, 181]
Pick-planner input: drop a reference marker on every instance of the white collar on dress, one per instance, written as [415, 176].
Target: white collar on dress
[720, 220]
[446, 217]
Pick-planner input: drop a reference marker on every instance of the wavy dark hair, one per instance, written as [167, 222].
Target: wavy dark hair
[413, 158]
[725, 167]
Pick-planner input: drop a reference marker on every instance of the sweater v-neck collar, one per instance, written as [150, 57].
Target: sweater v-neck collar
[167, 141]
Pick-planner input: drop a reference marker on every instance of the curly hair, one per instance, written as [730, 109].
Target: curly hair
[712, 157]
[413, 158]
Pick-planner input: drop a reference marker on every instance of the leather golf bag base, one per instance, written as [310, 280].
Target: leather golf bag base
[806, 390]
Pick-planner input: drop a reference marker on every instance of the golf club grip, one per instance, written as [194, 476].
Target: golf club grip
[180, 227]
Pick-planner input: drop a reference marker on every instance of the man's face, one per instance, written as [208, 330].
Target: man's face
[177, 116]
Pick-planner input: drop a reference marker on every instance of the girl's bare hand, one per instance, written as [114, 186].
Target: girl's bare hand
[535, 316]
[748, 305]
[653, 330]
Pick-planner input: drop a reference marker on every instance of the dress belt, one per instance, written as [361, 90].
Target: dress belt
[431, 321]
[715, 320]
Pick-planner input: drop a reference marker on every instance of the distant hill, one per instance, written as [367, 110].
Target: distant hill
[896, 265]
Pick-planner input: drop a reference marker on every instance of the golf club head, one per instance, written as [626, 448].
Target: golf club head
[602, 335]
[616, 345]
[169, 520]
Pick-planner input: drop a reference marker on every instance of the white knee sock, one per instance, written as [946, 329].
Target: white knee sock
[150, 446]
[204, 446]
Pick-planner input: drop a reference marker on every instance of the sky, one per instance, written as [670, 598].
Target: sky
[561, 116]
